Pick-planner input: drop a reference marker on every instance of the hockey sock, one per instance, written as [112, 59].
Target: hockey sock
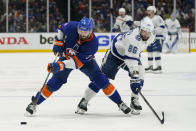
[157, 58]
[150, 59]
[134, 95]
[112, 93]
[46, 92]
[89, 94]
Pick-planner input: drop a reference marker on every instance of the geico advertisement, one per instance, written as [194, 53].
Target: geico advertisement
[105, 39]
[42, 40]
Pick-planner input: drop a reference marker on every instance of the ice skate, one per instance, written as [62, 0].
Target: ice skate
[158, 69]
[82, 107]
[149, 69]
[124, 108]
[135, 106]
[31, 108]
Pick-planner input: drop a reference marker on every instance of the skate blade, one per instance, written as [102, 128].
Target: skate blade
[150, 71]
[80, 111]
[135, 112]
[157, 72]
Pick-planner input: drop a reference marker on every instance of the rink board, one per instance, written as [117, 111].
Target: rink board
[43, 42]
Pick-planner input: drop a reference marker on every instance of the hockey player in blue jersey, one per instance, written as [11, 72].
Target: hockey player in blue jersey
[125, 53]
[78, 44]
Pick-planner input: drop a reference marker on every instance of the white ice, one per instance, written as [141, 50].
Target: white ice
[173, 91]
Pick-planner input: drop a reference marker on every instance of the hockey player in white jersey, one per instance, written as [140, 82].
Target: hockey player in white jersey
[174, 31]
[124, 53]
[123, 22]
[154, 50]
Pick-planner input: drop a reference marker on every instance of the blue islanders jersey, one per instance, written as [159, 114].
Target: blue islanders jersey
[87, 48]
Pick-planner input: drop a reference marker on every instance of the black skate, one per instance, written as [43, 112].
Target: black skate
[124, 108]
[82, 107]
[158, 69]
[135, 106]
[149, 69]
[31, 108]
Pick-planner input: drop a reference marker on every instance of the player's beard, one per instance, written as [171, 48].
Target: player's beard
[144, 38]
[122, 15]
[150, 15]
[82, 38]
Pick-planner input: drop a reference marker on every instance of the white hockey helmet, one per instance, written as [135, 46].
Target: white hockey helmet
[152, 8]
[146, 24]
[173, 16]
[146, 29]
[122, 10]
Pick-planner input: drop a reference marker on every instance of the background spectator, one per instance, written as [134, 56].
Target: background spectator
[2, 16]
[101, 13]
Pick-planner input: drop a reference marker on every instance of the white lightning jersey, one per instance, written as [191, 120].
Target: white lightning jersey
[128, 46]
[173, 27]
[121, 23]
[159, 25]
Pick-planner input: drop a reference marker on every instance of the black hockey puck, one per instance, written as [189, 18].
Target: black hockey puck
[23, 123]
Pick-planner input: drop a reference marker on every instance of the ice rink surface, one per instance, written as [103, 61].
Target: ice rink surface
[173, 91]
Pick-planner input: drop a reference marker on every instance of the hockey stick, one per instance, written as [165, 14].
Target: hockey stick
[161, 120]
[35, 102]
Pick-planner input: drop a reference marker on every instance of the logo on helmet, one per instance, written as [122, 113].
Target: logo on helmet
[85, 24]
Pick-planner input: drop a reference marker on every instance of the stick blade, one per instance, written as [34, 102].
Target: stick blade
[163, 119]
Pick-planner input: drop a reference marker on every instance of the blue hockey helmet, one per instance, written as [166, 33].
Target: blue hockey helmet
[85, 24]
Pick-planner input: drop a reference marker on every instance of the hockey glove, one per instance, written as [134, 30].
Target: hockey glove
[136, 85]
[58, 47]
[114, 30]
[56, 67]
[129, 23]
